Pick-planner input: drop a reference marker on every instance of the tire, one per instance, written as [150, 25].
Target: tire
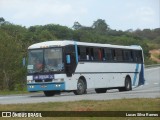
[101, 90]
[128, 85]
[81, 88]
[49, 93]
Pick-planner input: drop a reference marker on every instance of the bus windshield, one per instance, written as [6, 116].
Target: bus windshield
[45, 60]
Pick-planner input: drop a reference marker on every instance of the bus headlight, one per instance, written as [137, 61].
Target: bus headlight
[58, 85]
[31, 86]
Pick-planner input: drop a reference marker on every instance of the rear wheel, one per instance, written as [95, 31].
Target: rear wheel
[81, 88]
[101, 90]
[128, 85]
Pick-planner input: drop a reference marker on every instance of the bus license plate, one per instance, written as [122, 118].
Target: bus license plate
[43, 86]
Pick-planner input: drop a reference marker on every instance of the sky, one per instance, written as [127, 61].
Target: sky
[118, 14]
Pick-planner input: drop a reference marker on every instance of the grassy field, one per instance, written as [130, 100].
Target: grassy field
[7, 92]
[85, 105]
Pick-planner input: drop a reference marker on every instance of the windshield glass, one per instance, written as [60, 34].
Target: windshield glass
[49, 61]
[35, 62]
[53, 60]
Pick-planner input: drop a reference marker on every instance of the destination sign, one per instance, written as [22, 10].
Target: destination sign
[43, 77]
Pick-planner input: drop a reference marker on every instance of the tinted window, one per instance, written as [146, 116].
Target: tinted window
[118, 54]
[108, 54]
[95, 54]
[139, 56]
[82, 53]
[127, 55]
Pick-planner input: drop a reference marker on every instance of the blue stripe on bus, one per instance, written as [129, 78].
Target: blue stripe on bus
[135, 74]
[141, 76]
[76, 51]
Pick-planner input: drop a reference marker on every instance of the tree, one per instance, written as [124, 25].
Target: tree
[11, 71]
[77, 26]
[2, 20]
[100, 26]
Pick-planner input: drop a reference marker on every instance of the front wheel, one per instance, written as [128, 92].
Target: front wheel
[81, 88]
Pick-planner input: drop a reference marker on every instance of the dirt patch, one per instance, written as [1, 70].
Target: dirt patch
[155, 55]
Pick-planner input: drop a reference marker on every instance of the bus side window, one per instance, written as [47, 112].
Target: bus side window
[88, 53]
[139, 56]
[79, 53]
[96, 54]
[127, 55]
[119, 55]
[82, 53]
[134, 55]
[103, 55]
[99, 54]
[130, 56]
[108, 54]
[92, 54]
[114, 55]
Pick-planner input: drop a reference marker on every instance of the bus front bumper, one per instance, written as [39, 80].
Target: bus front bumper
[33, 87]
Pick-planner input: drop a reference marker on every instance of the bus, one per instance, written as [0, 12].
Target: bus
[72, 66]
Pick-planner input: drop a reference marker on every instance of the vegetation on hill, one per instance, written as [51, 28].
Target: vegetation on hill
[15, 40]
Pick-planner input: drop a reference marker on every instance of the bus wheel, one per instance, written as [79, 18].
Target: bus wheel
[128, 85]
[49, 93]
[81, 88]
[101, 90]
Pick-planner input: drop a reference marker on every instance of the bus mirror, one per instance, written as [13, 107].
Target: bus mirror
[68, 59]
[24, 61]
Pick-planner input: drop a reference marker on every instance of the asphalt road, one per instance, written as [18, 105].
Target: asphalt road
[151, 89]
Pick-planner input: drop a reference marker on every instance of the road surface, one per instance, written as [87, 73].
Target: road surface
[151, 89]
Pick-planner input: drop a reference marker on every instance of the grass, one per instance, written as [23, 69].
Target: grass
[8, 92]
[86, 105]
[136, 104]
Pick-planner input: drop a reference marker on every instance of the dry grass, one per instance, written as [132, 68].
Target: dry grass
[155, 55]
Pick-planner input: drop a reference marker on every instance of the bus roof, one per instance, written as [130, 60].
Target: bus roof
[57, 43]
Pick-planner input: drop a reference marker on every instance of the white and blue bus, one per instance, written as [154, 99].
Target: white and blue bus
[57, 66]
